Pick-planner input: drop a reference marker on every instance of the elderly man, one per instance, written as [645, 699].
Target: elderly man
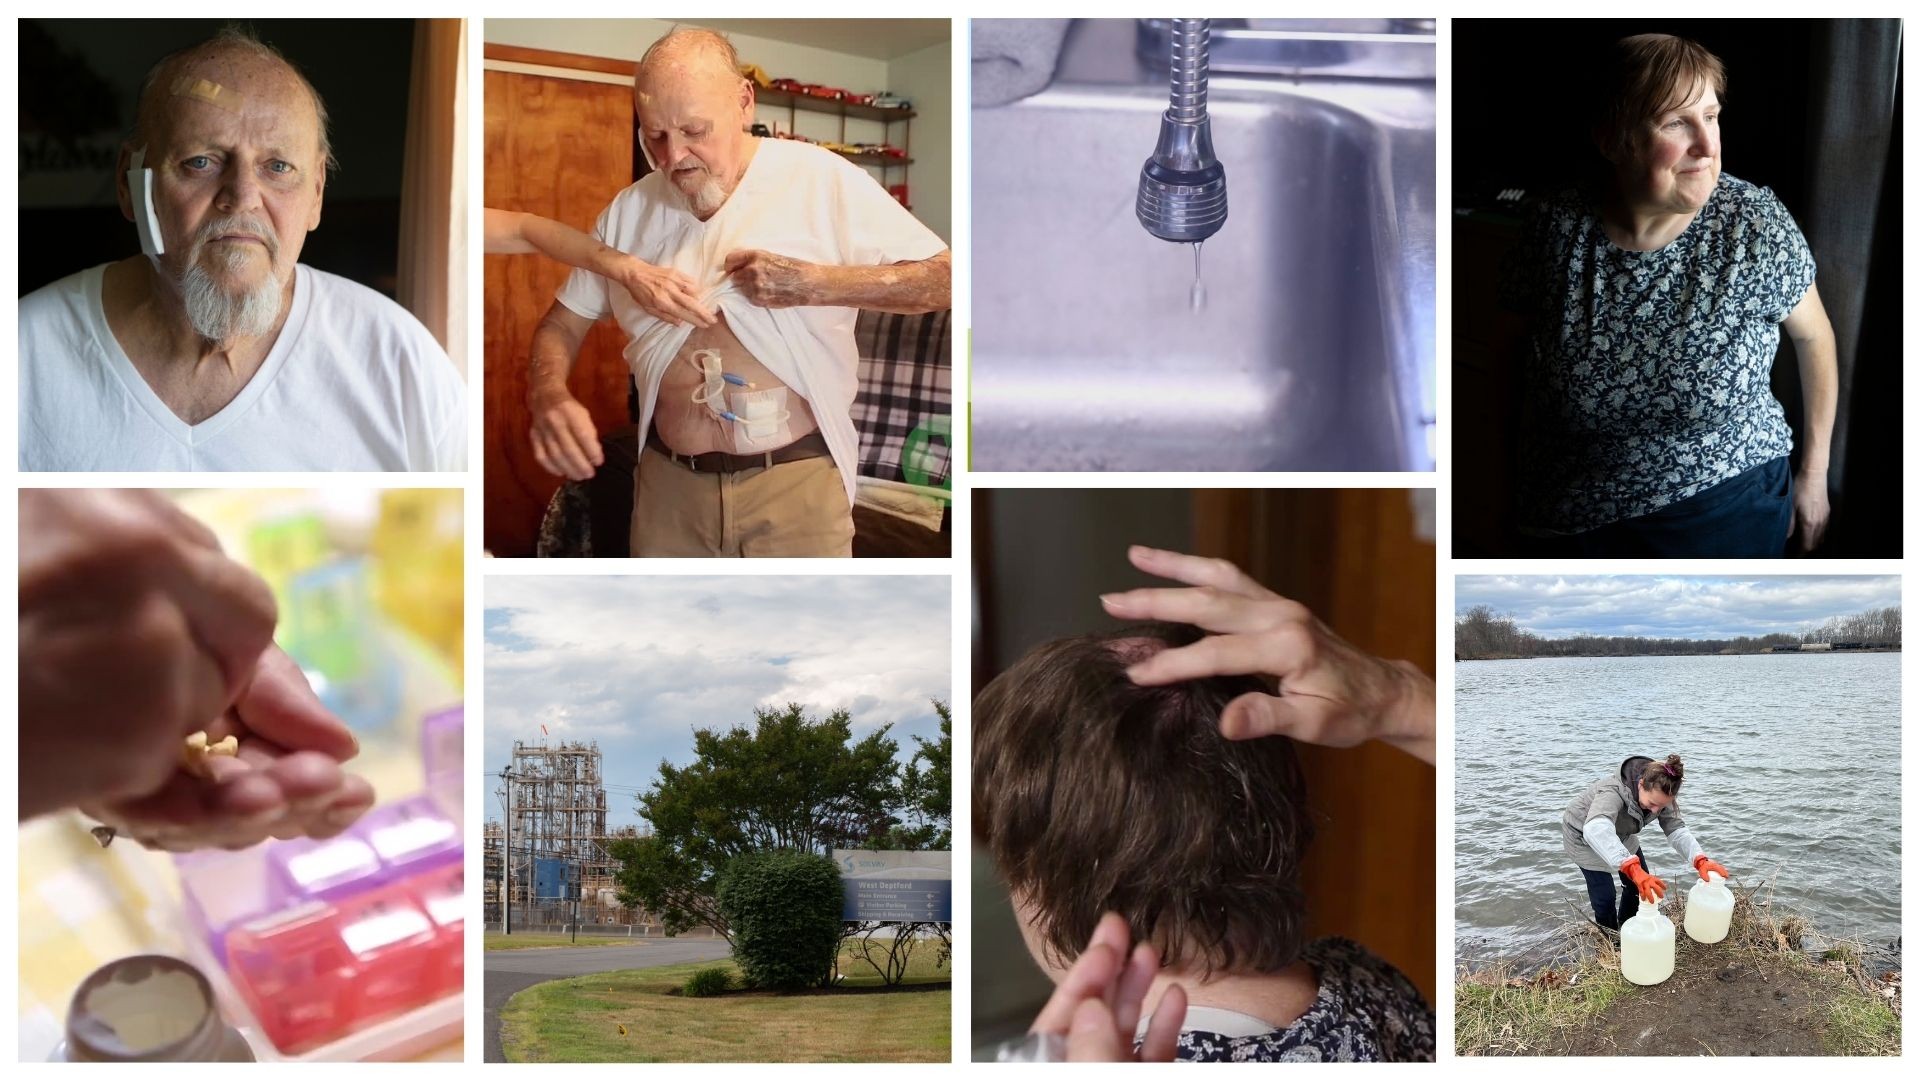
[742, 342]
[214, 349]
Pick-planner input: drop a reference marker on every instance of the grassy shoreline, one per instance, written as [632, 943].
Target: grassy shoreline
[1761, 991]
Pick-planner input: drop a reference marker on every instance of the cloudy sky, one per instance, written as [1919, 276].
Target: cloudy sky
[1673, 607]
[637, 663]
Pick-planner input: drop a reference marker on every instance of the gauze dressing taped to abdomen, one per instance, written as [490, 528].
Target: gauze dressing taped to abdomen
[756, 420]
[140, 192]
[760, 419]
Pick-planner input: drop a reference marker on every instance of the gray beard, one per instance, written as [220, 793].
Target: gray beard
[707, 198]
[218, 314]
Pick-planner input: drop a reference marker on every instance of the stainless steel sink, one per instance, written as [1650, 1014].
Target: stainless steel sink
[1314, 348]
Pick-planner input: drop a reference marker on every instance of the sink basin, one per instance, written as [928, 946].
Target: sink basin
[1313, 348]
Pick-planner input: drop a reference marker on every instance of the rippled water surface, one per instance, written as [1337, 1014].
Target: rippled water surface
[1793, 766]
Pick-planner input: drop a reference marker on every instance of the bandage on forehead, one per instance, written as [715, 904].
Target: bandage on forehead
[206, 90]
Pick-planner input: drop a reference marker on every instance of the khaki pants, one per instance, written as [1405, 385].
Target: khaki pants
[798, 509]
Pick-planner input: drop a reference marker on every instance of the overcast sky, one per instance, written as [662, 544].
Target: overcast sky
[1673, 607]
[638, 662]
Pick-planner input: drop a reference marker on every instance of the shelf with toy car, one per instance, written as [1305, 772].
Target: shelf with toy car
[842, 105]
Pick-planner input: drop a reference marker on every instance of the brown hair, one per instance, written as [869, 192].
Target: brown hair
[1647, 75]
[1094, 795]
[1664, 776]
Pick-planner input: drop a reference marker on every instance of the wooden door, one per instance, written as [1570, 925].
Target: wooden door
[1351, 555]
[561, 148]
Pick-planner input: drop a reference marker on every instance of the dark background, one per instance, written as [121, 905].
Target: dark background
[80, 79]
[1521, 102]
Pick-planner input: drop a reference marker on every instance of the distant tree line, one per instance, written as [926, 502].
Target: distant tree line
[1483, 634]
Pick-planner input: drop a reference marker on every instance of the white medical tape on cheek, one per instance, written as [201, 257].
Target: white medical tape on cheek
[140, 190]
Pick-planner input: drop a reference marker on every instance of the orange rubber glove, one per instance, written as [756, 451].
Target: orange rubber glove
[1704, 864]
[1651, 888]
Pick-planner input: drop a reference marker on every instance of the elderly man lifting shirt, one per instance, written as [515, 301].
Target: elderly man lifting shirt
[745, 358]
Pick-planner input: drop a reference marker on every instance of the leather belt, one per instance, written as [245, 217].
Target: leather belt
[719, 461]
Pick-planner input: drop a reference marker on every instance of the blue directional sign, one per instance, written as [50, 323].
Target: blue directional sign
[881, 899]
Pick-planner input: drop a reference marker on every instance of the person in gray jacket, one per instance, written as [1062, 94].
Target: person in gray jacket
[1601, 829]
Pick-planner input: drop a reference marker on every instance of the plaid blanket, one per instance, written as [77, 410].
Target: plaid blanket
[904, 410]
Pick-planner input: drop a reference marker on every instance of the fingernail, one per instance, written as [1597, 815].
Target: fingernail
[341, 817]
[1110, 599]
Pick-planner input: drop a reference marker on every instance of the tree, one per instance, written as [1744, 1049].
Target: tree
[926, 793]
[789, 783]
[926, 790]
[655, 876]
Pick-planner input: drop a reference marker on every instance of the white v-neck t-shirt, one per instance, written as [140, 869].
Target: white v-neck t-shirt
[797, 200]
[353, 383]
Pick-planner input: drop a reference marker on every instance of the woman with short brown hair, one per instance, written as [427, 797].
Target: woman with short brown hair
[1097, 793]
[1656, 296]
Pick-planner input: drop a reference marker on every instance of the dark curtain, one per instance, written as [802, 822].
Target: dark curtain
[1852, 221]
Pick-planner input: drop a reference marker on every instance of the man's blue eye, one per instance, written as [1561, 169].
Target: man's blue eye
[280, 166]
[199, 162]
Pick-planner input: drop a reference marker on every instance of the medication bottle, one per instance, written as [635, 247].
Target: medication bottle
[148, 1008]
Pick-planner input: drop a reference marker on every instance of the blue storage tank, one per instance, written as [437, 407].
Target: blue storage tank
[550, 878]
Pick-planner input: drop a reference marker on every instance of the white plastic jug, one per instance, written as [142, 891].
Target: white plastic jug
[1709, 909]
[1646, 947]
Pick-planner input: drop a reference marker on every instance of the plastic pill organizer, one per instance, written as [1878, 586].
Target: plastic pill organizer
[344, 949]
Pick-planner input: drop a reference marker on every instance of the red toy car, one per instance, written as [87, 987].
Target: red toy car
[791, 86]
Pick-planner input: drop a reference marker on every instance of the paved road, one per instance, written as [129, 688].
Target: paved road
[509, 971]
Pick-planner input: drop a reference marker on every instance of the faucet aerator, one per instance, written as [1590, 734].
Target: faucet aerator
[1183, 187]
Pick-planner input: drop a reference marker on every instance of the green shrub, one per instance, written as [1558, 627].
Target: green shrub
[783, 909]
[708, 982]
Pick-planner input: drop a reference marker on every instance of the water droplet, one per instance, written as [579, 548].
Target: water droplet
[1196, 296]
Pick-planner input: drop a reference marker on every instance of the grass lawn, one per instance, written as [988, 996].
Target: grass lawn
[518, 940]
[579, 1019]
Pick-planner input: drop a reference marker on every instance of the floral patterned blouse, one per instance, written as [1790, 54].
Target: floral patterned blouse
[1648, 371]
[1365, 1011]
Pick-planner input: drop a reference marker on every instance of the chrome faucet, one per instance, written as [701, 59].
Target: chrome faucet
[1183, 187]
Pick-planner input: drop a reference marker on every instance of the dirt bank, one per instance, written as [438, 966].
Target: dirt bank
[1774, 987]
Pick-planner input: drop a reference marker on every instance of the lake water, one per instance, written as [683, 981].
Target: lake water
[1793, 768]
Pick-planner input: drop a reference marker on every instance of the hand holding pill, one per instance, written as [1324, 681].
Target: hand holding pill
[137, 631]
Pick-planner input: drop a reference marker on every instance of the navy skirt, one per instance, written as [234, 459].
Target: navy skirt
[1746, 516]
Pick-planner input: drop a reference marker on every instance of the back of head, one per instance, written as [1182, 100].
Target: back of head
[1094, 794]
[1646, 75]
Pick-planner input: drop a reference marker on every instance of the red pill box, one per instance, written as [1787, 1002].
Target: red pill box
[318, 971]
